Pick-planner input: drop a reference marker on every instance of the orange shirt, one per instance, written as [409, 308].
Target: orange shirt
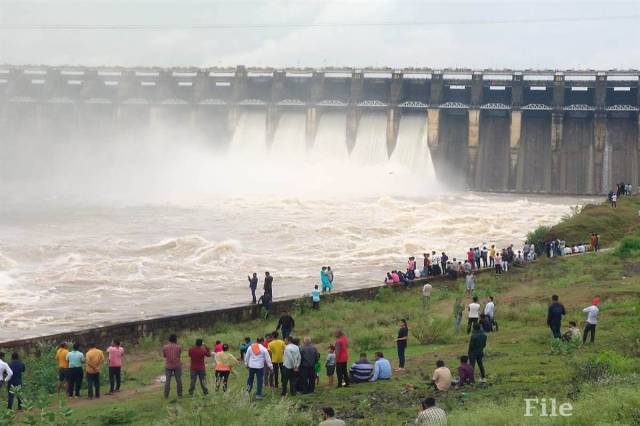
[61, 357]
[94, 359]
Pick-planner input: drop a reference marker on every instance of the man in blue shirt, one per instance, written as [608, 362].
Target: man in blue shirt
[17, 366]
[315, 297]
[381, 368]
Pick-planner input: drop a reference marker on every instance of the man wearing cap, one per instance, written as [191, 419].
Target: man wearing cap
[592, 320]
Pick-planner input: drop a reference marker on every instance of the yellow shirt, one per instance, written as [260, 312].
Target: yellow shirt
[61, 356]
[276, 347]
[94, 359]
[442, 377]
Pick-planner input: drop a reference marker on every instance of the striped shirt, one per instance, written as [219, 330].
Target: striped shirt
[432, 416]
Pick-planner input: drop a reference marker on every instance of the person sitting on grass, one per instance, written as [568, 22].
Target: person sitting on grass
[465, 370]
[430, 414]
[329, 418]
[381, 368]
[442, 378]
[361, 370]
[572, 333]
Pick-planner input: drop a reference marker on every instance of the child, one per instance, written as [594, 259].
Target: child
[330, 364]
[218, 346]
[315, 297]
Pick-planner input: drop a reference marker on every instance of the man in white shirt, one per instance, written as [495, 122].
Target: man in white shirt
[473, 313]
[470, 282]
[489, 309]
[256, 359]
[426, 295]
[291, 366]
[5, 371]
[592, 320]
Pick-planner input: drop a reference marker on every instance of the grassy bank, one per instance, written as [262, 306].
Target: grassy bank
[599, 380]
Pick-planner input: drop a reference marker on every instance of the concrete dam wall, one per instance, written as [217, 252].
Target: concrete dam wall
[525, 131]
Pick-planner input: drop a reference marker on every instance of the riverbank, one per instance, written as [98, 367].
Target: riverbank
[600, 380]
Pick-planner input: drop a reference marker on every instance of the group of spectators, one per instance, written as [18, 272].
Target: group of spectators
[621, 189]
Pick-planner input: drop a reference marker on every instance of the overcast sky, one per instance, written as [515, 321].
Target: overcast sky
[481, 34]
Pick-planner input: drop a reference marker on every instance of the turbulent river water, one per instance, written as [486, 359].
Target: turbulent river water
[66, 266]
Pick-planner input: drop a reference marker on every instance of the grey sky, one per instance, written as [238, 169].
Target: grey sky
[572, 43]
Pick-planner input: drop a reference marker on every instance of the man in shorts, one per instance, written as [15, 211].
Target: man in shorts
[63, 365]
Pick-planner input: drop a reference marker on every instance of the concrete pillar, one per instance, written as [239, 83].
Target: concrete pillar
[476, 89]
[596, 165]
[473, 144]
[636, 163]
[433, 121]
[395, 92]
[393, 124]
[557, 119]
[273, 111]
[436, 89]
[353, 112]
[514, 150]
[311, 125]
[516, 90]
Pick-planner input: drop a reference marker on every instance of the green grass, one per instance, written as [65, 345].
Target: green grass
[521, 361]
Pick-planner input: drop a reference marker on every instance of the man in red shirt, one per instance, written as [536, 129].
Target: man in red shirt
[197, 354]
[342, 357]
[172, 365]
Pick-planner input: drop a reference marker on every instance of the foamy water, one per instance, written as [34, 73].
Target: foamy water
[64, 268]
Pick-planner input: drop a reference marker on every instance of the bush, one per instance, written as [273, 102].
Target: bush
[538, 235]
[601, 367]
[117, 416]
[628, 247]
[432, 330]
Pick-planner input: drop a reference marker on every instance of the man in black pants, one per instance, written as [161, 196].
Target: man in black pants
[554, 316]
[287, 323]
[476, 349]
[309, 355]
[443, 262]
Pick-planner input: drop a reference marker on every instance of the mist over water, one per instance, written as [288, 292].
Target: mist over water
[102, 223]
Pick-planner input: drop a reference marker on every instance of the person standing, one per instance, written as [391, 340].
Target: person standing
[197, 354]
[401, 343]
[290, 367]
[17, 368]
[115, 352]
[5, 371]
[268, 284]
[490, 310]
[470, 282]
[63, 366]
[257, 359]
[330, 364]
[483, 256]
[426, 265]
[554, 316]
[224, 363]
[342, 357]
[477, 344]
[253, 285]
[443, 263]
[93, 365]
[276, 349]
[473, 313]
[172, 365]
[458, 309]
[592, 320]
[324, 279]
[75, 358]
[265, 302]
[309, 356]
[287, 323]
[426, 295]
[330, 276]
[315, 297]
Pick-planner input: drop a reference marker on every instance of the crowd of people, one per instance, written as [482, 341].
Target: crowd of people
[292, 365]
[620, 190]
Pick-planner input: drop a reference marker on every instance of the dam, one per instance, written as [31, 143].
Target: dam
[566, 132]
